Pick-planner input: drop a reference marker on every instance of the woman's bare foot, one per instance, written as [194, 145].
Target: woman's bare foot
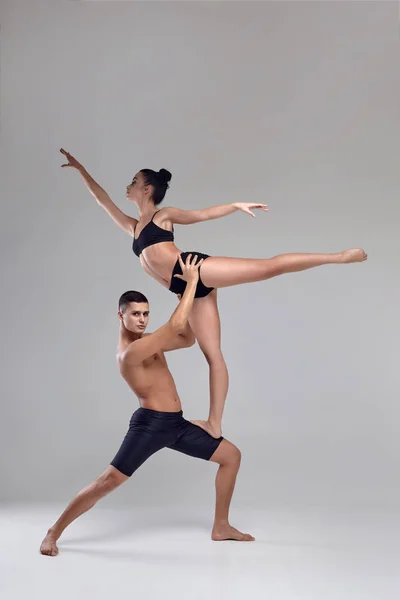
[353, 255]
[225, 532]
[49, 546]
[214, 431]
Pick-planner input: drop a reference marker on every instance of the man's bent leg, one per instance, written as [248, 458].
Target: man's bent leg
[110, 479]
[228, 457]
[197, 442]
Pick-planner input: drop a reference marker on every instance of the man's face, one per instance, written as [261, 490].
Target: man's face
[135, 317]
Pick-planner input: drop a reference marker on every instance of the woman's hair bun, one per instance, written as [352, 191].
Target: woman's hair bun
[164, 175]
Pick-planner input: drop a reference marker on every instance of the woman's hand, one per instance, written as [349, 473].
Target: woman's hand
[121, 219]
[246, 206]
[72, 162]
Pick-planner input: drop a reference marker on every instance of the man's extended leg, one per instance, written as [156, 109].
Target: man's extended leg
[83, 501]
[135, 449]
[228, 457]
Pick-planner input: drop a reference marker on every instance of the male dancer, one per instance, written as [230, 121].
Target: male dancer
[159, 422]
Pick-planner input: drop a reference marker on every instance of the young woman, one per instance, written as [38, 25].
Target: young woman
[153, 243]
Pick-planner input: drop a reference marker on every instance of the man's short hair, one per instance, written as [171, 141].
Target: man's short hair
[128, 297]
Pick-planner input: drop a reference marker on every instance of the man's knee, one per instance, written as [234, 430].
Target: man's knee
[110, 479]
[227, 454]
[235, 456]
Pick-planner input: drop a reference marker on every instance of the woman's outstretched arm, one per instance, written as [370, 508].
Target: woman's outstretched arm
[187, 217]
[123, 221]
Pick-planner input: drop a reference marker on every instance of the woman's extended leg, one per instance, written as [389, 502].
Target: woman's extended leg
[205, 323]
[220, 271]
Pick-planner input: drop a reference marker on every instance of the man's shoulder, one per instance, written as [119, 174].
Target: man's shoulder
[138, 340]
[125, 355]
[125, 360]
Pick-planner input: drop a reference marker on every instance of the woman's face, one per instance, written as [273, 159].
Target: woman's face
[137, 190]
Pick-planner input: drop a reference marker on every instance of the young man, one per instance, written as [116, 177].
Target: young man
[159, 422]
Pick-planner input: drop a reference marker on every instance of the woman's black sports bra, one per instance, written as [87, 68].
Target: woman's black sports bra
[151, 234]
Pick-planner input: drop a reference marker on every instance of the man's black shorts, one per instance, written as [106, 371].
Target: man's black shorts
[152, 430]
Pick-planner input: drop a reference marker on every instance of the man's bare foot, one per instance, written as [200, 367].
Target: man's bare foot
[49, 546]
[215, 432]
[353, 255]
[221, 533]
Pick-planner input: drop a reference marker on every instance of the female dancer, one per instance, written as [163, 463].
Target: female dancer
[153, 243]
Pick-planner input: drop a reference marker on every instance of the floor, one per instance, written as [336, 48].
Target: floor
[299, 554]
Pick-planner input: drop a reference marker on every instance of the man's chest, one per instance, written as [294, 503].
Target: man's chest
[156, 361]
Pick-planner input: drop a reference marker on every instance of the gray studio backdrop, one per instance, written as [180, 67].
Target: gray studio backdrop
[292, 104]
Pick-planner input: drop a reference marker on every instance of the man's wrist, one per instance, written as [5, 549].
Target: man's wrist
[190, 289]
[192, 284]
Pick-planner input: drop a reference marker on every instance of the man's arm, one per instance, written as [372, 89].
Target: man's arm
[182, 340]
[148, 345]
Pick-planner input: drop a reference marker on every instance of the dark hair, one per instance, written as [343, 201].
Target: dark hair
[128, 297]
[159, 180]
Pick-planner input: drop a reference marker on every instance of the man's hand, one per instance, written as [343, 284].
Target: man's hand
[246, 206]
[190, 270]
[72, 162]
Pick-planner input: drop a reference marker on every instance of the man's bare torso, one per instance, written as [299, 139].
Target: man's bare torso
[151, 381]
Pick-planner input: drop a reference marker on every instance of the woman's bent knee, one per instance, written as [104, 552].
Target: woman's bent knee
[214, 357]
